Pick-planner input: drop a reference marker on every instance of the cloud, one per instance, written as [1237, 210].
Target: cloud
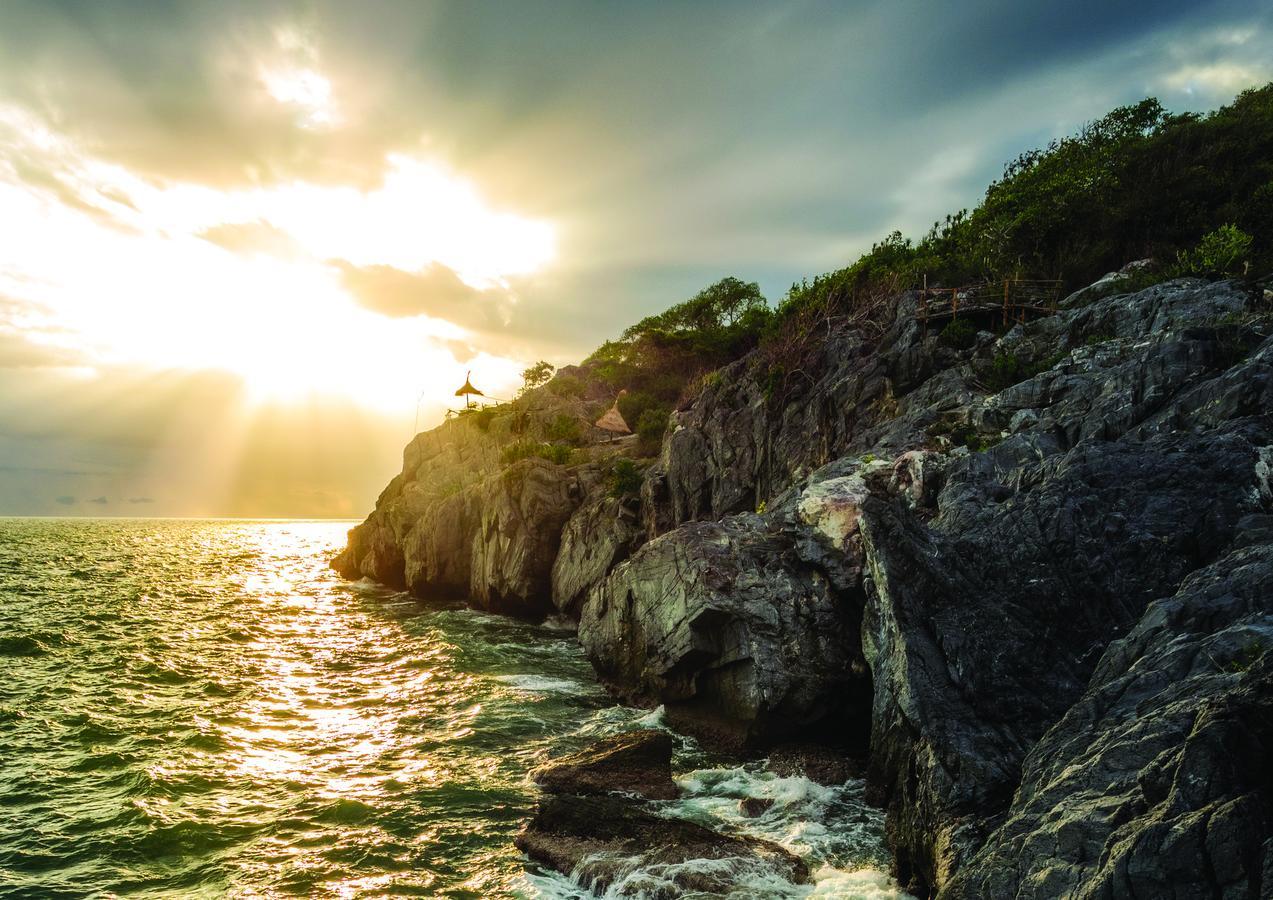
[138, 500]
[435, 291]
[65, 500]
[100, 501]
[253, 237]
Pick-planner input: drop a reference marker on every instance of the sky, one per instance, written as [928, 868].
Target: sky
[247, 248]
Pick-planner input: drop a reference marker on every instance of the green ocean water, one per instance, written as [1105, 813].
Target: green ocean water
[204, 709]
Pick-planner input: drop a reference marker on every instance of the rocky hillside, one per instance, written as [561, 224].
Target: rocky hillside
[1026, 575]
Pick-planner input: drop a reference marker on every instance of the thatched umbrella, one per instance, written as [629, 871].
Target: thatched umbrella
[468, 392]
[612, 422]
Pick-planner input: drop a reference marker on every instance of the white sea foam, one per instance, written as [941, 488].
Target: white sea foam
[542, 684]
[837, 835]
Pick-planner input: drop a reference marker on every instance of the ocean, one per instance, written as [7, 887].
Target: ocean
[201, 708]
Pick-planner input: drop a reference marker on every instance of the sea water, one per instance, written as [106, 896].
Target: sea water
[204, 709]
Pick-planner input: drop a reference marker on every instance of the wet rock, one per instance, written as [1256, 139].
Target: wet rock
[755, 807]
[602, 840]
[636, 762]
[819, 763]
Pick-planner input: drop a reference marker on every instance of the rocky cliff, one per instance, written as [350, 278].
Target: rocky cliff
[1028, 576]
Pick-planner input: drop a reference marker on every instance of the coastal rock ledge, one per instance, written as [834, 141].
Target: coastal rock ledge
[1026, 577]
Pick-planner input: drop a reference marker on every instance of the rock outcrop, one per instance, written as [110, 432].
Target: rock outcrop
[723, 624]
[602, 533]
[600, 841]
[1156, 782]
[635, 762]
[456, 523]
[1029, 574]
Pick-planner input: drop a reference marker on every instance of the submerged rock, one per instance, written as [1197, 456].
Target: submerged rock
[602, 841]
[635, 762]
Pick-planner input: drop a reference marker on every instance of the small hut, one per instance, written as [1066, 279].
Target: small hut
[468, 392]
[612, 422]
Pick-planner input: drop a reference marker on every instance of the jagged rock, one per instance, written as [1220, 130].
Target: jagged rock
[720, 622]
[635, 762]
[744, 440]
[602, 840]
[601, 534]
[983, 626]
[917, 477]
[1156, 783]
[522, 512]
[1108, 284]
[817, 762]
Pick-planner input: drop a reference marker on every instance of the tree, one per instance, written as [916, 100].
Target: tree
[536, 375]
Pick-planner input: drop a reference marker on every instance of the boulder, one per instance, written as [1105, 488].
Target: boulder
[723, 624]
[605, 842]
[635, 762]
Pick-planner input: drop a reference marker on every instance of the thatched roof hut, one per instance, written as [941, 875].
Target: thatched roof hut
[613, 421]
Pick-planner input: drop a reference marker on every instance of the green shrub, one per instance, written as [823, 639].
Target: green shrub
[566, 386]
[959, 334]
[482, 417]
[1006, 369]
[965, 435]
[1220, 252]
[565, 429]
[624, 479]
[536, 375]
[650, 428]
[560, 454]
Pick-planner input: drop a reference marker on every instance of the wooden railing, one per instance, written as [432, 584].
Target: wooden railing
[1012, 300]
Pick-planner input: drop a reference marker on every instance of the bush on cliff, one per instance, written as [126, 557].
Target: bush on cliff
[657, 357]
[560, 454]
[1139, 182]
[623, 479]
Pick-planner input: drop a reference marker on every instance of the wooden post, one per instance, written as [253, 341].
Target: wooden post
[1005, 304]
[923, 306]
[954, 304]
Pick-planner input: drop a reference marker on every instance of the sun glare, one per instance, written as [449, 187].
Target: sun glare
[306, 90]
[130, 274]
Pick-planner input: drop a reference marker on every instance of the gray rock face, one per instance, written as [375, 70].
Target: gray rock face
[983, 626]
[747, 438]
[602, 533]
[521, 513]
[1157, 781]
[456, 524]
[723, 623]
